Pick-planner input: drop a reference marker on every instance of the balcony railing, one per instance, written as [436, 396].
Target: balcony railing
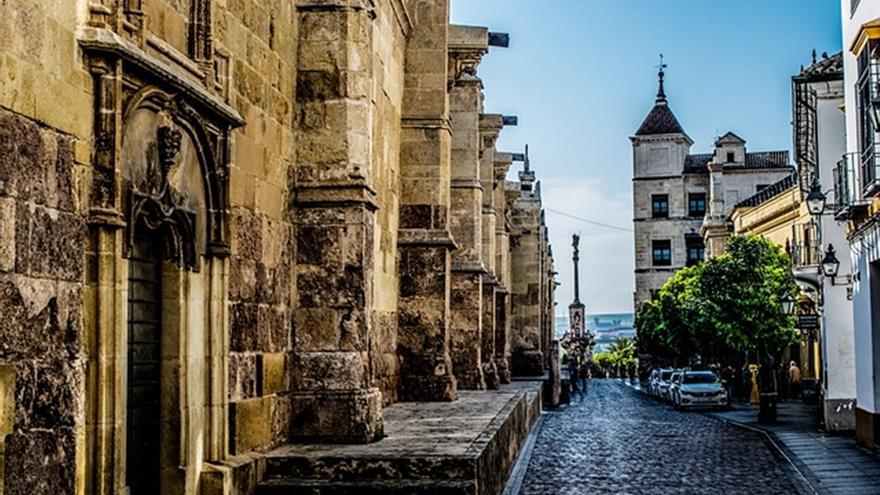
[851, 183]
[805, 253]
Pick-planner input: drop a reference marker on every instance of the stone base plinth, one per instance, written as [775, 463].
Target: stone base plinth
[467, 446]
[527, 363]
[346, 416]
[503, 370]
[867, 428]
[428, 388]
[840, 414]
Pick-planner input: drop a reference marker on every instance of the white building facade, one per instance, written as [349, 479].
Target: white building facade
[819, 144]
[858, 196]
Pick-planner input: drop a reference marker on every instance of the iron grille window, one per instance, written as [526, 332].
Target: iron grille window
[660, 205]
[662, 253]
[697, 205]
[866, 93]
[806, 132]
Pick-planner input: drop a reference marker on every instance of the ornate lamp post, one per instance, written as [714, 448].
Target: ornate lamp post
[577, 342]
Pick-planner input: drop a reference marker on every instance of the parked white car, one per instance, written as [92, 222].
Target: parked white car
[699, 389]
[663, 383]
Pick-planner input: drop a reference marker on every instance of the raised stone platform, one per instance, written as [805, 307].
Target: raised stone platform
[467, 446]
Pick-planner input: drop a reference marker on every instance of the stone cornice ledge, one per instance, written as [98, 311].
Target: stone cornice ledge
[99, 40]
[330, 5]
[469, 267]
[426, 237]
[466, 184]
[322, 195]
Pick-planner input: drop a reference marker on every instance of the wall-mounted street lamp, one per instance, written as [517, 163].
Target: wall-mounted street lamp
[787, 304]
[830, 263]
[831, 267]
[816, 199]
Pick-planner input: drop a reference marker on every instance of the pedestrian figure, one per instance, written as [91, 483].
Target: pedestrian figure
[794, 380]
[573, 377]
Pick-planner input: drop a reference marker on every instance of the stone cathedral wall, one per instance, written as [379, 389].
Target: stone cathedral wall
[317, 286]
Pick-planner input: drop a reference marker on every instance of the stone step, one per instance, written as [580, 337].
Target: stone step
[331, 468]
[299, 486]
[466, 446]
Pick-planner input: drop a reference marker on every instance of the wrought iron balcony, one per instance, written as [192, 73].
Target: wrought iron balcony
[851, 184]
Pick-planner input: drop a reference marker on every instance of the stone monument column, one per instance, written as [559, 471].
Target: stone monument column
[334, 218]
[424, 240]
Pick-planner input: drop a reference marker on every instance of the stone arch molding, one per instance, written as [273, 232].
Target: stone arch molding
[172, 181]
[159, 162]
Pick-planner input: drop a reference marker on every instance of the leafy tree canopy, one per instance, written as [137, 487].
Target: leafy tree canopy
[728, 303]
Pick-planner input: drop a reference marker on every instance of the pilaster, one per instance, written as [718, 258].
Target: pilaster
[334, 221]
[424, 240]
[466, 47]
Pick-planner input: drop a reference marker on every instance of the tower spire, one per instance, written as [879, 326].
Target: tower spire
[661, 74]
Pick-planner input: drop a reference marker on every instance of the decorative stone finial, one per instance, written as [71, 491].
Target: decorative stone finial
[661, 74]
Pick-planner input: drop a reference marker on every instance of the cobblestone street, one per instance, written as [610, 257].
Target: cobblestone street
[616, 440]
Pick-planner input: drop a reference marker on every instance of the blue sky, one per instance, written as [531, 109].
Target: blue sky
[581, 76]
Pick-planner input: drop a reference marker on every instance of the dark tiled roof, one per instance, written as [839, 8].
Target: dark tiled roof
[762, 159]
[825, 66]
[660, 120]
[697, 163]
[767, 159]
[770, 191]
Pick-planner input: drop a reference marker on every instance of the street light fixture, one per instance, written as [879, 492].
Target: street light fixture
[830, 263]
[816, 199]
[787, 304]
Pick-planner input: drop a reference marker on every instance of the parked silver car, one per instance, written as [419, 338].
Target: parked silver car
[651, 383]
[699, 389]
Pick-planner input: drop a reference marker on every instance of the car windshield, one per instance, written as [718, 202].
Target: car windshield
[700, 378]
[665, 375]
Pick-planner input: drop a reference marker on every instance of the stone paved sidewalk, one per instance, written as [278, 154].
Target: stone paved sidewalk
[831, 463]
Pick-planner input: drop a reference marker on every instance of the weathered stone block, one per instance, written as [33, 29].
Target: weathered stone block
[49, 244]
[251, 422]
[345, 416]
[274, 373]
[7, 234]
[7, 400]
[40, 462]
[327, 371]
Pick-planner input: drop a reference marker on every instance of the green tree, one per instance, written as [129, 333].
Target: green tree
[728, 303]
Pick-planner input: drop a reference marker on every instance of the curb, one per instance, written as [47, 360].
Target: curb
[518, 473]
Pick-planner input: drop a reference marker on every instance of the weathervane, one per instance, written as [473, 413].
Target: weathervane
[661, 93]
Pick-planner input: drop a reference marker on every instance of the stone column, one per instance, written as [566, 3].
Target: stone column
[501, 165]
[467, 45]
[527, 357]
[334, 221]
[424, 240]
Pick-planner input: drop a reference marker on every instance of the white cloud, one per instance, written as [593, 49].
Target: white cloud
[606, 266]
